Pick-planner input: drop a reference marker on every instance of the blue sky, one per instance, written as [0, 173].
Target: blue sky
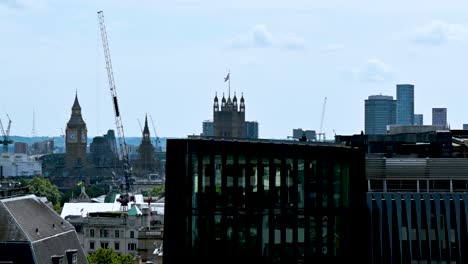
[170, 58]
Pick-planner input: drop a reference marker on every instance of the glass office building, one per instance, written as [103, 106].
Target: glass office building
[405, 104]
[380, 111]
[264, 201]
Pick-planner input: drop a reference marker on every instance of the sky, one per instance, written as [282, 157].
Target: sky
[285, 56]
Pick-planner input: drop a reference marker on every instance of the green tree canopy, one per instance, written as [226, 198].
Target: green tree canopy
[157, 190]
[42, 187]
[108, 256]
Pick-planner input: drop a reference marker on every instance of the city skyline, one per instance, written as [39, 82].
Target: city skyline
[170, 59]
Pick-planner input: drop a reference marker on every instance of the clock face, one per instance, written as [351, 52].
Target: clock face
[72, 136]
[83, 137]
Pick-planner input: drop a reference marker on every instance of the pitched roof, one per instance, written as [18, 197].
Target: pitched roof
[32, 221]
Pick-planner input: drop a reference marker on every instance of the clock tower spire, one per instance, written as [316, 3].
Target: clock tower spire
[76, 137]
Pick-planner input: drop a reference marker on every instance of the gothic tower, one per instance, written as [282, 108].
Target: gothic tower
[146, 162]
[76, 138]
[229, 121]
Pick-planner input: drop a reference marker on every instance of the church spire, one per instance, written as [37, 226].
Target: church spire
[76, 104]
[146, 133]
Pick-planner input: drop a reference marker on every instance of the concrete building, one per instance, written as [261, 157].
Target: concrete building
[43, 147]
[439, 117]
[310, 135]
[405, 104]
[22, 147]
[379, 112]
[138, 231]
[31, 232]
[15, 165]
[264, 201]
[208, 128]
[104, 150]
[251, 129]
[418, 119]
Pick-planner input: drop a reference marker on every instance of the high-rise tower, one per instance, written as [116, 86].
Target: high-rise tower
[405, 104]
[380, 111]
[76, 138]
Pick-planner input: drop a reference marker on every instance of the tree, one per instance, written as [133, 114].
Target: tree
[42, 187]
[108, 256]
[157, 190]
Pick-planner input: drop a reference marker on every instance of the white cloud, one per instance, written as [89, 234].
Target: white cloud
[292, 41]
[438, 32]
[373, 70]
[260, 37]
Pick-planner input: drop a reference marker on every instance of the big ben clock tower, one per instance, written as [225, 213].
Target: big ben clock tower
[76, 138]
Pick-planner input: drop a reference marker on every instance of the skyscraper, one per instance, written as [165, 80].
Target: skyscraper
[439, 117]
[380, 111]
[418, 119]
[405, 104]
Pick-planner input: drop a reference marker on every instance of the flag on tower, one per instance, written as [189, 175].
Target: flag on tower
[227, 77]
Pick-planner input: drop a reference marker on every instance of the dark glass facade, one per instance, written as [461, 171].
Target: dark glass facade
[264, 201]
[418, 227]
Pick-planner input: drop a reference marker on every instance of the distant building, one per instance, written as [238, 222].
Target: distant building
[264, 202]
[104, 149]
[379, 112]
[76, 138]
[146, 162]
[31, 232]
[228, 121]
[418, 119]
[439, 117]
[21, 147]
[405, 104]
[251, 129]
[19, 164]
[465, 126]
[42, 147]
[310, 135]
[208, 128]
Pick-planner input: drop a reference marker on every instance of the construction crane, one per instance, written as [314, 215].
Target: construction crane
[6, 135]
[321, 134]
[139, 124]
[125, 197]
[156, 143]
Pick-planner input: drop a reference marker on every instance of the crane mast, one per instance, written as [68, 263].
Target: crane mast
[320, 133]
[6, 135]
[124, 198]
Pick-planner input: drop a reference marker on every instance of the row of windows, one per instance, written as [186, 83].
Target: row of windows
[105, 233]
[105, 244]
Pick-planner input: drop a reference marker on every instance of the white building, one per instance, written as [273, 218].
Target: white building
[105, 225]
[19, 164]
